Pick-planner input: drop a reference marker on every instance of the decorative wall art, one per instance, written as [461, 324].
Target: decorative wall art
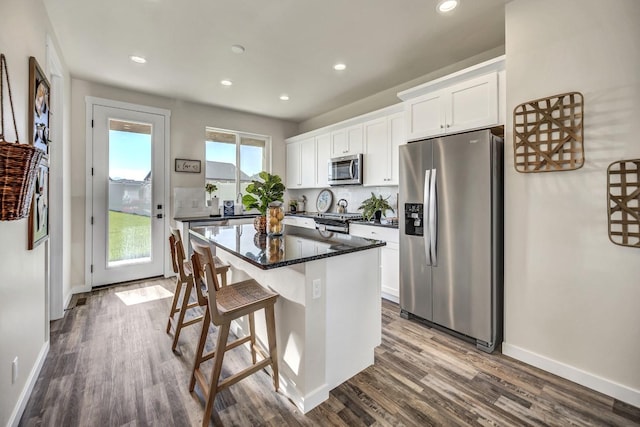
[623, 202]
[39, 89]
[548, 134]
[184, 165]
[39, 215]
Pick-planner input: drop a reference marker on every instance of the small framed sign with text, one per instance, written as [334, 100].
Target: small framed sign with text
[184, 165]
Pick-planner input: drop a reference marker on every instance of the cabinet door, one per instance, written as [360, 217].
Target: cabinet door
[323, 155]
[339, 143]
[293, 178]
[308, 163]
[355, 140]
[376, 154]
[473, 104]
[425, 115]
[390, 271]
[397, 136]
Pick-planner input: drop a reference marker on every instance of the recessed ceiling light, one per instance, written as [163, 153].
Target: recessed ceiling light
[236, 48]
[226, 82]
[138, 59]
[284, 97]
[339, 67]
[445, 6]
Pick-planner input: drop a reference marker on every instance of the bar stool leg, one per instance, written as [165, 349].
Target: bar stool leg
[223, 334]
[271, 337]
[252, 334]
[176, 295]
[183, 311]
[206, 321]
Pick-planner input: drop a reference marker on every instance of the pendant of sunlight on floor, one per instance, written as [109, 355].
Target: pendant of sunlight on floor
[140, 295]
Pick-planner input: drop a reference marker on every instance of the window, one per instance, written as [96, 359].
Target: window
[224, 151]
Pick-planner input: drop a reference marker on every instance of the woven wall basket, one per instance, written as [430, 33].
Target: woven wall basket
[18, 169]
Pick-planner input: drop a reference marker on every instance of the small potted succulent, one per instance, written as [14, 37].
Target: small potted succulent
[260, 194]
[210, 188]
[293, 205]
[375, 207]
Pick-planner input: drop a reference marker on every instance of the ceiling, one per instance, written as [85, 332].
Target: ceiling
[291, 47]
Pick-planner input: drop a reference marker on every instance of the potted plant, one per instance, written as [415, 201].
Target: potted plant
[213, 201]
[293, 205]
[260, 194]
[375, 207]
[210, 188]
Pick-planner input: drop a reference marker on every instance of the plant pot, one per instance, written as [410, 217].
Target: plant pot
[260, 224]
[376, 217]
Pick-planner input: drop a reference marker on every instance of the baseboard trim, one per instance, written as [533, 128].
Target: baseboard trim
[594, 382]
[18, 410]
[80, 289]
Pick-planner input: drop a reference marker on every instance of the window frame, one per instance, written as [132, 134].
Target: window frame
[239, 135]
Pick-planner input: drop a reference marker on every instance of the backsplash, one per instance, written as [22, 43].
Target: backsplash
[353, 194]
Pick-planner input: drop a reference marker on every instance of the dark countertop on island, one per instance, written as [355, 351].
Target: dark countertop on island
[296, 245]
[212, 218]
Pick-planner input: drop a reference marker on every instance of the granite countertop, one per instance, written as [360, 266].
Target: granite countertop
[213, 218]
[296, 245]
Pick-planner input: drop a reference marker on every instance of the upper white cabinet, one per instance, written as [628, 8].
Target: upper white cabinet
[301, 164]
[466, 100]
[382, 138]
[466, 105]
[323, 155]
[346, 141]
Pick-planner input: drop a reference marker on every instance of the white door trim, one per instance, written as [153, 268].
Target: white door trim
[90, 102]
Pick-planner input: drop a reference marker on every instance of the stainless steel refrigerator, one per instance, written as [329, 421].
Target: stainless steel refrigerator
[450, 203]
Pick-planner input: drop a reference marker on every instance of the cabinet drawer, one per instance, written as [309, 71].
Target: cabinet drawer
[374, 232]
[299, 221]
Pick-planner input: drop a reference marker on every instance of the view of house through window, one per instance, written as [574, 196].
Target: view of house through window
[225, 150]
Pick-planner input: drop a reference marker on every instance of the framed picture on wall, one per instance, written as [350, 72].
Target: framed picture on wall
[39, 91]
[185, 165]
[39, 214]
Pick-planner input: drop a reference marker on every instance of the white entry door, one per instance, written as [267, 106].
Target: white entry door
[128, 195]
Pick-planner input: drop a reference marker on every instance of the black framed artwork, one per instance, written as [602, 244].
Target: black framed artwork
[39, 97]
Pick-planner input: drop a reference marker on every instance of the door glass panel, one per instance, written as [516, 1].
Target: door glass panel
[130, 185]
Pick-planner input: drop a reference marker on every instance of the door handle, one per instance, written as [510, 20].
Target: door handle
[425, 215]
[159, 216]
[433, 218]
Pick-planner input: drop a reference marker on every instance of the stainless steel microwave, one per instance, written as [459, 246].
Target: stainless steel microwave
[346, 170]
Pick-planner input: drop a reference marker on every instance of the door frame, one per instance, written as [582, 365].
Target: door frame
[90, 102]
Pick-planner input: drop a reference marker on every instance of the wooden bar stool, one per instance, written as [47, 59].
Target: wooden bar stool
[227, 303]
[184, 279]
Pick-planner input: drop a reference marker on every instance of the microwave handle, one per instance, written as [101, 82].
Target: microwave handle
[352, 169]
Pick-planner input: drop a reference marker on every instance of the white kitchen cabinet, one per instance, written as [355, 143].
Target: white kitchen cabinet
[347, 141]
[466, 105]
[382, 138]
[322, 157]
[301, 164]
[389, 256]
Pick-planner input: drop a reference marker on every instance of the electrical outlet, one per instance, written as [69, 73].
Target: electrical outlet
[14, 370]
[317, 289]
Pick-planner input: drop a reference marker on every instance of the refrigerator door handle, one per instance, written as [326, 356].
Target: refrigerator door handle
[425, 216]
[433, 219]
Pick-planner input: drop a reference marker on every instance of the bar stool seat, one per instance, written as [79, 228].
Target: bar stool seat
[227, 303]
[184, 282]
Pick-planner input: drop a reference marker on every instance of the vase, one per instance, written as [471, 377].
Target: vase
[376, 217]
[275, 215]
[260, 224]
[214, 204]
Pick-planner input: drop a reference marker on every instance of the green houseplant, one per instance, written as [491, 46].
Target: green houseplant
[260, 194]
[371, 206]
[210, 188]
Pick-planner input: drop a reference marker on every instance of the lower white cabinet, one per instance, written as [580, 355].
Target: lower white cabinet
[389, 258]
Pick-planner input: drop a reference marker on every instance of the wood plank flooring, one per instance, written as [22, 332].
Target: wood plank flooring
[111, 365]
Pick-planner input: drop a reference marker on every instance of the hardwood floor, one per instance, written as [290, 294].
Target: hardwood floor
[111, 365]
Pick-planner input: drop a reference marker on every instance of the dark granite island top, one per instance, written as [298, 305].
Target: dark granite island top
[296, 245]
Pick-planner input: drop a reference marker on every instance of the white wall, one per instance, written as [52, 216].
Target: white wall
[188, 122]
[571, 296]
[23, 297]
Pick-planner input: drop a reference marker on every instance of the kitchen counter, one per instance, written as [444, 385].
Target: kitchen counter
[328, 320]
[378, 224]
[296, 245]
[196, 219]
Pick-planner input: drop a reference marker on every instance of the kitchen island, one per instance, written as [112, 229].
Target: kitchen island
[328, 315]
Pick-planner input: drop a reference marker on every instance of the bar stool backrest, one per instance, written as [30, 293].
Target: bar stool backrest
[204, 271]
